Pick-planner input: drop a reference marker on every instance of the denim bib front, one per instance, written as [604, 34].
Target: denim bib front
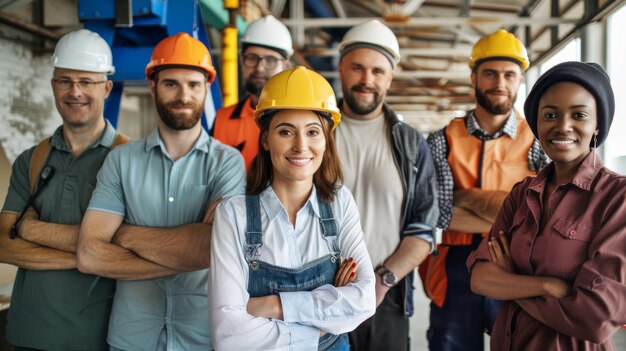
[268, 279]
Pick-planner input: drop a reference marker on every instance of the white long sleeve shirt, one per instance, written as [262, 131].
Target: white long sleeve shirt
[334, 310]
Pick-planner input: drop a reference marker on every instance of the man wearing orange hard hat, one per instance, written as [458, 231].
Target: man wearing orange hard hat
[478, 159]
[149, 222]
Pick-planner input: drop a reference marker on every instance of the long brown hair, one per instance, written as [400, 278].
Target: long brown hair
[327, 178]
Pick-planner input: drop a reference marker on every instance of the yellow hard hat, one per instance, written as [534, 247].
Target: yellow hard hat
[298, 88]
[499, 44]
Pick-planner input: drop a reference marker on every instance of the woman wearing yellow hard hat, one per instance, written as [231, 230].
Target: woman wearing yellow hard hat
[278, 279]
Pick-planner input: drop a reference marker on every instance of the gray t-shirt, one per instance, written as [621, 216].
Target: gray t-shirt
[372, 176]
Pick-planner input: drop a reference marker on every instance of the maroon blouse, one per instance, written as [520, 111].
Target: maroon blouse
[583, 242]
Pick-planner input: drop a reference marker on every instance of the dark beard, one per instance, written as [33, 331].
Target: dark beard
[178, 121]
[253, 88]
[355, 105]
[495, 109]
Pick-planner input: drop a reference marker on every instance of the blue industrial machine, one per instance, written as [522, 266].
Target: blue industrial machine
[133, 28]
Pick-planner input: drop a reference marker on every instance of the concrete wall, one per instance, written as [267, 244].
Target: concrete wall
[7, 272]
[27, 111]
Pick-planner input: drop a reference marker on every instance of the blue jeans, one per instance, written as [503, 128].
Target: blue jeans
[459, 325]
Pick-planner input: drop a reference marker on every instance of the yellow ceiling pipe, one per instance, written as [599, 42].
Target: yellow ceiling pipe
[230, 78]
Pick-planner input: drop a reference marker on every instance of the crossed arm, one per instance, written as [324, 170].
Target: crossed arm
[126, 252]
[497, 279]
[475, 210]
[295, 318]
[43, 245]
[97, 254]
[31, 254]
[587, 308]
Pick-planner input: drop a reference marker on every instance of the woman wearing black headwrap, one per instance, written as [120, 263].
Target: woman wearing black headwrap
[563, 276]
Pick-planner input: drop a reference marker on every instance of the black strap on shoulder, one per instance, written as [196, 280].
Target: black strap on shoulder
[237, 111]
[37, 161]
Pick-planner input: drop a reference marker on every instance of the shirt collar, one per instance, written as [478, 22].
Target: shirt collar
[509, 128]
[106, 139]
[154, 139]
[273, 207]
[583, 178]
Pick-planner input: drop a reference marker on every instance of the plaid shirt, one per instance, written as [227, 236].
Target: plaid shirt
[537, 159]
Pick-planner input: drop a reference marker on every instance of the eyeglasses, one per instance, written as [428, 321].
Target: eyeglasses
[83, 84]
[251, 60]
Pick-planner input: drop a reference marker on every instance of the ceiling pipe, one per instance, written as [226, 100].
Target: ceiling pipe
[429, 22]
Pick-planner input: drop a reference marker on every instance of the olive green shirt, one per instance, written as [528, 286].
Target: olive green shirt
[60, 309]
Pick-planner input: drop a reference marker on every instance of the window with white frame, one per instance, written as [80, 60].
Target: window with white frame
[569, 52]
[614, 146]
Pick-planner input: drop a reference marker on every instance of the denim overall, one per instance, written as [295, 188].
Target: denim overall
[267, 279]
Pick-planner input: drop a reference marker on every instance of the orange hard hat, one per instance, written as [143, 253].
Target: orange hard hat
[181, 50]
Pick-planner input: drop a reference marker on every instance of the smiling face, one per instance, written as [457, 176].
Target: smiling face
[179, 95]
[80, 107]
[366, 75]
[296, 143]
[567, 122]
[495, 85]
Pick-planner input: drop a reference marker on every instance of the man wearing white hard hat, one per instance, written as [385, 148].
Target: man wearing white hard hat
[266, 47]
[53, 305]
[389, 169]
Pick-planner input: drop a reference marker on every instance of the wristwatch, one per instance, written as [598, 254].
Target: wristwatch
[387, 277]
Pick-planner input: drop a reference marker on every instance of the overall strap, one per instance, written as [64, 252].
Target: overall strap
[328, 224]
[37, 161]
[254, 233]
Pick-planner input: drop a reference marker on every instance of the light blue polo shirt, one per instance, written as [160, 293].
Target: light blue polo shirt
[142, 183]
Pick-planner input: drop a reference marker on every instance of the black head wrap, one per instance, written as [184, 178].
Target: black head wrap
[590, 76]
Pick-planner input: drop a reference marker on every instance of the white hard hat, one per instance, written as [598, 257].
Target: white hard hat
[372, 33]
[270, 33]
[83, 50]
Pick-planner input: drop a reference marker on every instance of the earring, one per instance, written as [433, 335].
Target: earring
[595, 146]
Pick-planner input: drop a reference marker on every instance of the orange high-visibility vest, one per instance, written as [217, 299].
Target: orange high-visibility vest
[498, 165]
[235, 126]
